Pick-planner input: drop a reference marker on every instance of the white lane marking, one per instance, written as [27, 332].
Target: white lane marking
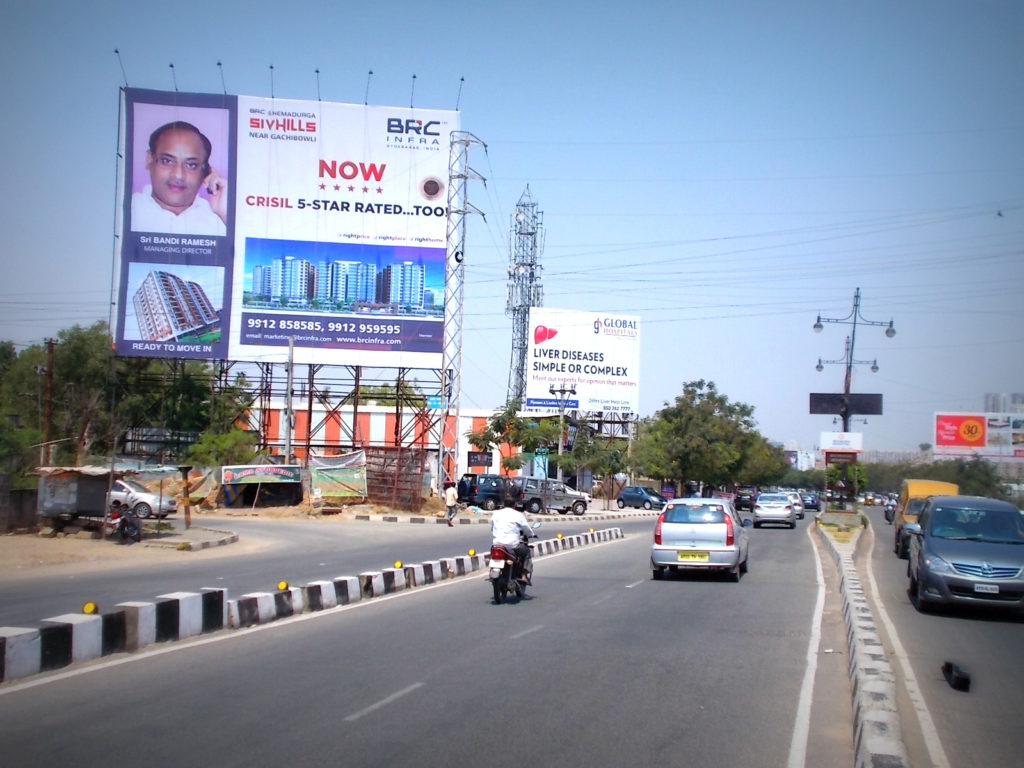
[924, 718]
[525, 632]
[802, 724]
[232, 633]
[601, 599]
[383, 702]
[636, 583]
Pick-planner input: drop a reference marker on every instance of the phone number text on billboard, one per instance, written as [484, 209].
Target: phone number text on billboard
[395, 334]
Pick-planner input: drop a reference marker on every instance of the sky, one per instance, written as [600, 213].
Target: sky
[725, 170]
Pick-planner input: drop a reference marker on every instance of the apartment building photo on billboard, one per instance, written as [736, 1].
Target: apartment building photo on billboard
[169, 308]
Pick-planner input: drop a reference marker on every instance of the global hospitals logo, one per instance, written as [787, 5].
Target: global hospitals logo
[616, 326]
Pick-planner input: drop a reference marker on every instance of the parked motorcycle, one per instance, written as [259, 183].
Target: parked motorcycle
[507, 575]
[124, 523]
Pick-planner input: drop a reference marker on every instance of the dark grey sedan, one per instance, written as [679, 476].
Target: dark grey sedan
[967, 550]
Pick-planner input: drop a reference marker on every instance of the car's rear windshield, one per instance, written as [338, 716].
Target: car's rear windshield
[695, 513]
[774, 497]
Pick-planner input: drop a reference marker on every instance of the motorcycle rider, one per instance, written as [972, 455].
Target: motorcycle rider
[510, 528]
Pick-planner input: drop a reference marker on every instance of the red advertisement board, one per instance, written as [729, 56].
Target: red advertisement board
[961, 430]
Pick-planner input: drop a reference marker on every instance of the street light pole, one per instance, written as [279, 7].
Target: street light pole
[851, 319]
[562, 393]
[849, 362]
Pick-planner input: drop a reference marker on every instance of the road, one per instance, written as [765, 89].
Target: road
[601, 666]
[298, 550]
[945, 727]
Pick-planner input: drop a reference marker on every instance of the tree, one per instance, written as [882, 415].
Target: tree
[507, 427]
[703, 436]
[215, 449]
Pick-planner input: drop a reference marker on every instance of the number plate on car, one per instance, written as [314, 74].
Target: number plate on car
[692, 556]
[987, 589]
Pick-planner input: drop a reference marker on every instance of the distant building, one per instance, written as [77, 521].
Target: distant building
[1001, 402]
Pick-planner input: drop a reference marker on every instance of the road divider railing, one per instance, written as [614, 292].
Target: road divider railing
[74, 638]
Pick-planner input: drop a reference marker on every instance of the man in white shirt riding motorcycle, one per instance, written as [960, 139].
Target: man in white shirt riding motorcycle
[510, 528]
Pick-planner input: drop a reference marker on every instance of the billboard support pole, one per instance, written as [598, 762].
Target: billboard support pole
[459, 174]
[288, 403]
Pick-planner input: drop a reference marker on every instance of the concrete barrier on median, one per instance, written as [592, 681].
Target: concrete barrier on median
[320, 595]
[19, 652]
[876, 723]
[179, 615]
[71, 637]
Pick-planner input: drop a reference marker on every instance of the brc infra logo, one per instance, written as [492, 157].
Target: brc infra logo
[413, 127]
[411, 133]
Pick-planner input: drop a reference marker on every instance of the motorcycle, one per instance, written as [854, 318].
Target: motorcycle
[890, 512]
[124, 523]
[507, 574]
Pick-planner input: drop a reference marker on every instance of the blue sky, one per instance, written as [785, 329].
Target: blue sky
[725, 170]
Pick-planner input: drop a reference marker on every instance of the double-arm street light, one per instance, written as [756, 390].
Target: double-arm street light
[853, 319]
[562, 393]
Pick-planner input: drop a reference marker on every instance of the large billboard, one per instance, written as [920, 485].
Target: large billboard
[593, 353]
[253, 224]
[986, 435]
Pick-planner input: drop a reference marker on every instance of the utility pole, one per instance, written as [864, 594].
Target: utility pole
[562, 393]
[47, 399]
[288, 418]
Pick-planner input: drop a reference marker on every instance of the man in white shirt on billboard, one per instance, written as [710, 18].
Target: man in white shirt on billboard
[178, 161]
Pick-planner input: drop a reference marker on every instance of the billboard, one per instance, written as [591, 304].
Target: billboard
[987, 435]
[594, 353]
[252, 224]
[852, 442]
[849, 403]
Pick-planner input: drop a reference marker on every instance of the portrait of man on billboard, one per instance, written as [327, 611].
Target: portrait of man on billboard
[178, 189]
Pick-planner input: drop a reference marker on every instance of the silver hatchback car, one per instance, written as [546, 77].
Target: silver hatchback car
[700, 534]
[774, 508]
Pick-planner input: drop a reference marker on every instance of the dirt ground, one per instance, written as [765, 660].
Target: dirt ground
[21, 552]
[33, 552]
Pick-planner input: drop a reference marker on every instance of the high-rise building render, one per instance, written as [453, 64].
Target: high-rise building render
[402, 284]
[167, 307]
[292, 278]
[261, 280]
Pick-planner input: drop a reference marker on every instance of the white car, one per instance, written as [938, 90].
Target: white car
[143, 501]
[700, 534]
[798, 503]
[774, 508]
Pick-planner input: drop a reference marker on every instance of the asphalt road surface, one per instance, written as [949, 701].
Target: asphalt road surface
[600, 666]
[942, 726]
